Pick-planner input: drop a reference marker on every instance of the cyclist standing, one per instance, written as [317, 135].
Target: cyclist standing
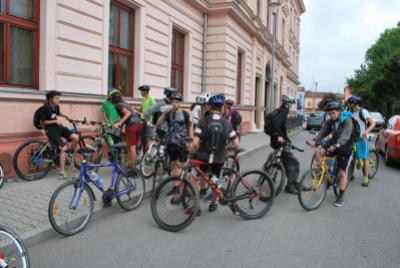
[367, 124]
[279, 138]
[342, 143]
[180, 129]
[146, 104]
[131, 120]
[55, 131]
[211, 137]
[155, 110]
[108, 111]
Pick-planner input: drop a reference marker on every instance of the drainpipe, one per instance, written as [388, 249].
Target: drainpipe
[205, 33]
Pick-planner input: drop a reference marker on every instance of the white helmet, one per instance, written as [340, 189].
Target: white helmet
[203, 98]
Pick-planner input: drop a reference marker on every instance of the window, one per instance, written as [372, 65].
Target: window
[239, 77]
[178, 60]
[19, 43]
[120, 57]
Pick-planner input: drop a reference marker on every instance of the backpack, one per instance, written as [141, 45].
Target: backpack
[177, 129]
[236, 118]
[216, 139]
[268, 122]
[36, 118]
[356, 130]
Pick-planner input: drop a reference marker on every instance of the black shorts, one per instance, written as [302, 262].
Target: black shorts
[55, 135]
[177, 152]
[343, 161]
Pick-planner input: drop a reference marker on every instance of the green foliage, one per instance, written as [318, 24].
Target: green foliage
[377, 81]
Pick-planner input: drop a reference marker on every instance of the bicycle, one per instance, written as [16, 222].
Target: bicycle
[13, 252]
[180, 196]
[315, 183]
[76, 197]
[2, 176]
[275, 169]
[33, 159]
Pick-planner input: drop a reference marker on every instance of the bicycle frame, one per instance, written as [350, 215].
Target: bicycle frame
[327, 162]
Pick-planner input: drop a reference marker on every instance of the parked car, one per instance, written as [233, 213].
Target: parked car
[388, 140]
[314, 121]
[379, 120]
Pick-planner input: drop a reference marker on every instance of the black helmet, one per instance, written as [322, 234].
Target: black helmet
[354, 100]
[168, 91]
[333, 105]
[144, 88]
[52, 93]
[176, 96]
[288, 100]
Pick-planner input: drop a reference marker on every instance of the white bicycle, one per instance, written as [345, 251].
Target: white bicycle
[12, 251]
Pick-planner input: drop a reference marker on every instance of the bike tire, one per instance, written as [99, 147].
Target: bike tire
[20, 249]
[305, 188]
[19, 169]
[135, 187]
[95, 158]
[374, 161]
[2, 176]
[147, 167]
[263, 188]
[55, 206]
[158, 175]
[189, 210]
[277, 173]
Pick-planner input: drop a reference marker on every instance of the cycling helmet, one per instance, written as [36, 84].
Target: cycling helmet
[333, 105]
[52, 93]
[288, 99]
[144, 88]
[168, 91]
[203, 98]
[229, 102]
[176, 96]
[217, 100]
[354, 100]
[113, 92]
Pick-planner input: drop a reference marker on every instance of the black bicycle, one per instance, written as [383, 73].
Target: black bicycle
[275, 169]
[2, 176]
[12, 250]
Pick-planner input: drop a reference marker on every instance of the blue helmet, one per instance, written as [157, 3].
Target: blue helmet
[354, 100]
[217, 100]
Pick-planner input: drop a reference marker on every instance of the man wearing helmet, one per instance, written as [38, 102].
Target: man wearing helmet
[155, 111]
[108, 111]
[342, 143]
[367, 124]
[147, 102]
[279, 138]
[55, 131]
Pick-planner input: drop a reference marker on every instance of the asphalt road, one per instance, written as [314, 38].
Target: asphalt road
[363, 233]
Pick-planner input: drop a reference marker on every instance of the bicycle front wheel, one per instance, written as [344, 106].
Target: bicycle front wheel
[373, 158]
[278, 175]
[174, 204]
[147, 166]
[71, 208]
[12, 250]
[130, 189]
[312, 190]
[2, 176]
[254, 193]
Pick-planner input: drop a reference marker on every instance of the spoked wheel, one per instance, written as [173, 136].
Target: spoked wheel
[174, 204]
[95, 157]
[70, 209]
[32, 160]
[147, 166]
[278, 175]
[12, 250]
[373, 158]
[130, 189]
[2, 176]
[312, 190]
[255, 192]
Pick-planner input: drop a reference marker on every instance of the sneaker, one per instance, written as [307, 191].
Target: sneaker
[365, 183]
[212, 207]
[61, 176]
[291, 189]
[339, 202]
[203, 193]
[208, 198]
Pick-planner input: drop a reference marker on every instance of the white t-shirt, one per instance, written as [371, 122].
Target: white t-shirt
[356, 116]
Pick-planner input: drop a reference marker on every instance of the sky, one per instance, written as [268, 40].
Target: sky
[335, 34]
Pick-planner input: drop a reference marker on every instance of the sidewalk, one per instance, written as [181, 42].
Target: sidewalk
[24, 205]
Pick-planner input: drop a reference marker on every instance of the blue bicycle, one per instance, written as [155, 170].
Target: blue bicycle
[71, 205]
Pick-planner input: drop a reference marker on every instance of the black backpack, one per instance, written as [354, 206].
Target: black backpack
[36, 118]
[356, 130]
[269, 122]
[236, 118]
[216, 138]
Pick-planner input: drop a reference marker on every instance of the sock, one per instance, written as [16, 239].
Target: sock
[341, 193]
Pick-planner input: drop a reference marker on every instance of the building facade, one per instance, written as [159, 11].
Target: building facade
[81, 47]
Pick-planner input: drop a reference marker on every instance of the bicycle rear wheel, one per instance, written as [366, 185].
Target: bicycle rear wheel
[2, 176]
[147, 167]
[130, 189]
[312, 190]
[256, 192]
[373, 158]
[32, 160]
[13, 253]
[71, 208]
[174, 204]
